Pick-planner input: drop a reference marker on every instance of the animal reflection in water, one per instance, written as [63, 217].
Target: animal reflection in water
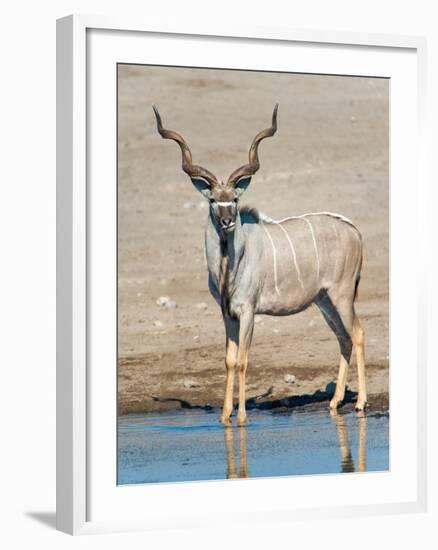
[347, 462]
[231, 457]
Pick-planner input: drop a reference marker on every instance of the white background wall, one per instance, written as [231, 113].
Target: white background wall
[27, 267]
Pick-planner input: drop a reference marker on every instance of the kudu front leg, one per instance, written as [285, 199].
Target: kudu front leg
[232, 343]
[245, 337]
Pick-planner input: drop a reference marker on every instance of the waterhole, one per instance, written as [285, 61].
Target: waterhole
[193, 445]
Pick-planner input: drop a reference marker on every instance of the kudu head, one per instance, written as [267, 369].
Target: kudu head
[223, 198]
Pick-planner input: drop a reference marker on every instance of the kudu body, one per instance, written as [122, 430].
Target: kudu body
[260, 266]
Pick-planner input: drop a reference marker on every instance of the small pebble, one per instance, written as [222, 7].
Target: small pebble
[166, 302]
[312, 323]
[187, 205]
[276, 330]
[190, 384]
[201, 305]
[289, 378]
[258, 320]
[158, 324]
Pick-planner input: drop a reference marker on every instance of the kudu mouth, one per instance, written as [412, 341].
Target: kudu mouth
[229, 227]
[227, 218]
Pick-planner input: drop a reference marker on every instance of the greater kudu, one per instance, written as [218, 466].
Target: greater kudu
[258, 265]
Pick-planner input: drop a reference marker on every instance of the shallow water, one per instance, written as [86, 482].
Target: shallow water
[193, 445]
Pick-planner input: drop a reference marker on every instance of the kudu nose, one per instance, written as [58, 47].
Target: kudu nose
[225, 222]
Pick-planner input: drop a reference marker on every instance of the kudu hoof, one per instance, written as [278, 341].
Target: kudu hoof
[335, 403]
[225, 420]
[361, 406]
[241, 421]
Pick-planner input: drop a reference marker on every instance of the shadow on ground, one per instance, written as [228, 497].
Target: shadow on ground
[182, 403]
[293, 401]
[262, 402]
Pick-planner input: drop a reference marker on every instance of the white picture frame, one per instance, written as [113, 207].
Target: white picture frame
[77, 76]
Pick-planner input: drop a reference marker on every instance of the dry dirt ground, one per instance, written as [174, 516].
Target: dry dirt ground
[330, 154]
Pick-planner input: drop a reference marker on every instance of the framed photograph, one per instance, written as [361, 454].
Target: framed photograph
[241, 278]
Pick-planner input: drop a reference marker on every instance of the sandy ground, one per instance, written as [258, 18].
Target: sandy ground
[330, 154]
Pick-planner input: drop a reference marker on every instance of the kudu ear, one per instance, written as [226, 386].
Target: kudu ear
[242, 184]
[202, 185]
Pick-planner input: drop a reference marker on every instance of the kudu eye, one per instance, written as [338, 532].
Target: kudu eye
[211, 200]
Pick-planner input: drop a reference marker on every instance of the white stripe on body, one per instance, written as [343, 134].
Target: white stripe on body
[267, 219]
[293, 254]
[315, 246]
[274, 254]
[336, 257]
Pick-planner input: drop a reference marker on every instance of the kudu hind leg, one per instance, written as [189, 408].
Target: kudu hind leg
[339, 317]
[359, 347]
